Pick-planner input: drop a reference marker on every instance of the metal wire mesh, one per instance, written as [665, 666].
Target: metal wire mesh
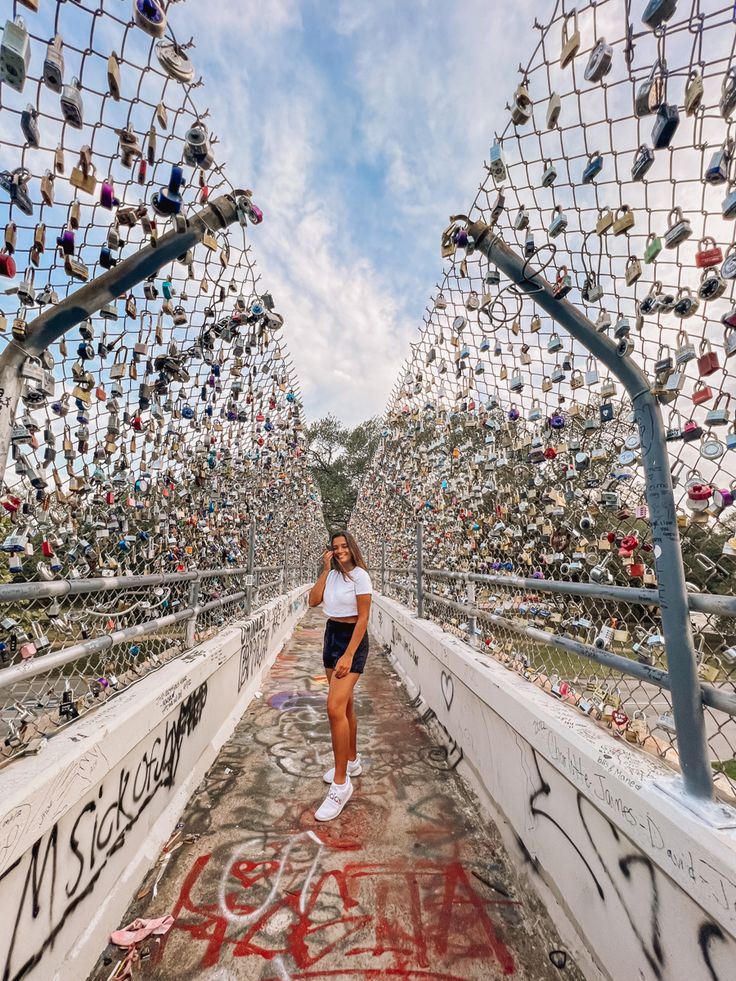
[512, 444]
[152, 435]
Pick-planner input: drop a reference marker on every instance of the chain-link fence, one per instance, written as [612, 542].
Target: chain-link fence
[75, 644]
[516, 447]
[156, 452]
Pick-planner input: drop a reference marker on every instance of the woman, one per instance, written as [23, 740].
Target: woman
[345, 587]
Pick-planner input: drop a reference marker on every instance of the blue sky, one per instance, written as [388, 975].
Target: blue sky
[360, 127]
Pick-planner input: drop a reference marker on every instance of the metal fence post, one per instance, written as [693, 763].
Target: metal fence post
[190, 637]
[470, 601]
[686, 692]
[420, 589]
[383, 566]
[251, 564]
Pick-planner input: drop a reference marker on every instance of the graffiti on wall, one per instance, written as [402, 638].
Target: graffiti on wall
[44, 886]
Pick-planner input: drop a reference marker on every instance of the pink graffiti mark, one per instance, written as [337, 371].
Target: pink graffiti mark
[407, 917]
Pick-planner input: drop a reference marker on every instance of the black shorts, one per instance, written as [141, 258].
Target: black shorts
[337, 638]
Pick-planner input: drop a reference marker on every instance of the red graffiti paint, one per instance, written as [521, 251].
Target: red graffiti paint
[416, 921]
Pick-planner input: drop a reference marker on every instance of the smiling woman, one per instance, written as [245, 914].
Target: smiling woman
[345, 589]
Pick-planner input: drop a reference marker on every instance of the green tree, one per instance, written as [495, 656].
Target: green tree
[338, 458]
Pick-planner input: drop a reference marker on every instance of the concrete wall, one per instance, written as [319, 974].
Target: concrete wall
[81, 823]
[639, 879]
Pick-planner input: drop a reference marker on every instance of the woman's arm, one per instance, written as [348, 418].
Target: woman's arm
[317, 592]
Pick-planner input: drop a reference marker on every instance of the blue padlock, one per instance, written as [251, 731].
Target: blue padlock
[593, 168]
[665, 125]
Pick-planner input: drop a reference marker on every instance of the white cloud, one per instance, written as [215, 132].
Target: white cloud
[306, 103]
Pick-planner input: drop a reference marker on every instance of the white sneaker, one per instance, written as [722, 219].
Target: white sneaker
[334, 802]
[355, 768]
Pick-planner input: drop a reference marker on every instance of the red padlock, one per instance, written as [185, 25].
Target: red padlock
[550, 453]
[702, 394]
[109, 498]
[708, 360]
[619, 720]
[142, 168]
[7, 265]
[708, 254]
[47, 549]
[11, 503]
[636, 570]
[628, 544]
[204, 193]
[699, 492]
[691, 431]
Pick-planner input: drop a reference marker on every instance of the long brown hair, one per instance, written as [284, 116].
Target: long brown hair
[355, 554]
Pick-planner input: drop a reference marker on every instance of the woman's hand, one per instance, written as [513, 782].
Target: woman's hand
[343, 666]
[327, 559]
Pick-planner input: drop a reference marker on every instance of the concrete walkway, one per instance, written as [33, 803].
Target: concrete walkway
[409, 882]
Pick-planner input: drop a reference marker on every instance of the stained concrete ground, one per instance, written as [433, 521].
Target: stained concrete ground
[411, 881]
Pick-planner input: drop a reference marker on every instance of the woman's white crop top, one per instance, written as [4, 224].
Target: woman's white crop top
[339, 596]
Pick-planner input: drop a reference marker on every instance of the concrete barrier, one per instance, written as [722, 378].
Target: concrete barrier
[81, 822]
[639, 887]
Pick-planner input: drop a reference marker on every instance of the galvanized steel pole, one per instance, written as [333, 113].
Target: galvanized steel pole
[685, 685]
[420, 590]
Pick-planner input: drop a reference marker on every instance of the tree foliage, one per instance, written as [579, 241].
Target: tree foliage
[338, 458]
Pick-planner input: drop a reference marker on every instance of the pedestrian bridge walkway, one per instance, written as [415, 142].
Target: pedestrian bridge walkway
[410, 881]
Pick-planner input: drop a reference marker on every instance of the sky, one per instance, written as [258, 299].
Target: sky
[360, 129]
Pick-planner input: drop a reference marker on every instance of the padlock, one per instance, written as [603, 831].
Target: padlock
[604, 221]
[719, 416]
[593, 167]
[591, 373]
[599, 62]
[651, 93]
[47, 188]
[558, 223]
[624, 220]
[678, 229]
[729, 322]
[622, 328]
[685, 350]
[497, 163]
[693, 92]
[592, 291]
[702, 394]
[149, 15]
[643, 160]
[665, 125]
[26, 290]
[522, 219]
[29, 126]
[16, 184]
[550, 173]
[674, 429]
[606, 411]
[84, 176]
[633, 270]
[521, 109]
[728, 206]
[608, 389]
[53, 66]
[727, 102]
[71, 104]
[708, 360]
[570, 41]
[8, 267]
[113, 76]
[720, 163]
[15, 54]
[657, 12]
[728, 267]
[708, 254]
[562, 284]
[712, 285]
[76, 268]
[652, 248]
[554, 106]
